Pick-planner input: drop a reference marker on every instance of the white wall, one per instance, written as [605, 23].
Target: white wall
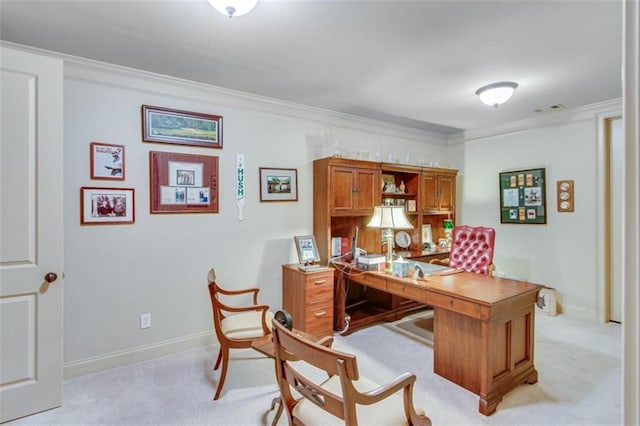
[562, 253]
[158, 265]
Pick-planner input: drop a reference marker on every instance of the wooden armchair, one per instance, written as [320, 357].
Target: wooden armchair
[236, 327]
[345, 398]
[471, 250]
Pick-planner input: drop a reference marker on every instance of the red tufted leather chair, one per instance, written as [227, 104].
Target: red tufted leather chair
[472, 249]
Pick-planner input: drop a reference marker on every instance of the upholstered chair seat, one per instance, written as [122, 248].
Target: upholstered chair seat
[245, 326]
[388, 411]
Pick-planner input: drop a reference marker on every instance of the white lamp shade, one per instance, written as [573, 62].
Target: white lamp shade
[233, 8]
[389, 217]
[497, 93]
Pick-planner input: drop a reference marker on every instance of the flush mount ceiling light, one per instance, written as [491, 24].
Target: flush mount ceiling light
[233, 8]
[496, 93]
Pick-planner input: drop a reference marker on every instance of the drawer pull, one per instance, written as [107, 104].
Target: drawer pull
[320, 314]
[318, 282]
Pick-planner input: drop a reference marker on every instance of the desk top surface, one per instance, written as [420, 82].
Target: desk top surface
[478, 288]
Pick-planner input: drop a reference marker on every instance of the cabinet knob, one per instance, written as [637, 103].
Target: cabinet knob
[318, 282]
[320, 314]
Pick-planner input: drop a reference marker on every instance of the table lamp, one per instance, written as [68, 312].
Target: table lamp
[389, 218]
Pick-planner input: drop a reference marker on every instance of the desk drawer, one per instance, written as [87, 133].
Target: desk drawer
[373, 282]
[319, 288]
[319, 319]
[452, 304]
[408, 291]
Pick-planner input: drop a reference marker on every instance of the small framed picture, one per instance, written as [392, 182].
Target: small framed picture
[107, 161]
[107, 206]
[307, 249]
[278, 184]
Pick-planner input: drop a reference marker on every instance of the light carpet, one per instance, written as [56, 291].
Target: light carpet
[579, 367]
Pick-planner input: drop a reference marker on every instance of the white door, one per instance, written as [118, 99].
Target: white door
[30, 233]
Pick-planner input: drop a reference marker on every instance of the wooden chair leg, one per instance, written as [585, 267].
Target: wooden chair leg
[223, 373]
[218, 360]
[277, 400]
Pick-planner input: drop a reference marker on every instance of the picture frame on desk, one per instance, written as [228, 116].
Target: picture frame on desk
[307, 249]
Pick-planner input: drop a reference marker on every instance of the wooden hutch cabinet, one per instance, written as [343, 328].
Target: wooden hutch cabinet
[438, 199]
[345, 192]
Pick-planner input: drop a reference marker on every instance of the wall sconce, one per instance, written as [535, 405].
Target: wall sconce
[496, 93]
[389, 218]
[233, 8]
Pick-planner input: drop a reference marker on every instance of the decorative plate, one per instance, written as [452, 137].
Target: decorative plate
[403, 239]
[564, 205]
[564, 195]
[564, 186]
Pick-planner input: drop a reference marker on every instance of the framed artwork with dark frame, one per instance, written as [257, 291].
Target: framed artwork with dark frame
[107, 161]
[278, 184]
[183, 183]
[307, 249]
[166, 125]
[523, 197]
[107, 206]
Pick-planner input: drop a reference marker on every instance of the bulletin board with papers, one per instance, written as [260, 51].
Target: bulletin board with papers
[523, 197]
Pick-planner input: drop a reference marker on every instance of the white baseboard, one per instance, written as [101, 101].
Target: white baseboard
[139, 354]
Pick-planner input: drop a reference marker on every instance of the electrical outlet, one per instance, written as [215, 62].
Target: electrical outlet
[145, 320]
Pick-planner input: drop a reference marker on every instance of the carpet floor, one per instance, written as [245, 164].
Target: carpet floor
[578, 363]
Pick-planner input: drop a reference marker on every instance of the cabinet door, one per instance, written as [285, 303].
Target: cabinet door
[367, 190]
[447, 193]
[341, 189]
[429, 193]
[354, 190]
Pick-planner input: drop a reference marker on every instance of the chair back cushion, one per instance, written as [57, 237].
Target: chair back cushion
[472, 249]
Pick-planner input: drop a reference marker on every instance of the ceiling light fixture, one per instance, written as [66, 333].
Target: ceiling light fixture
[496, 93]
[233, 8]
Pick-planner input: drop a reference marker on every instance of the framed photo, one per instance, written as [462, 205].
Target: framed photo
[183, 183]
[165, 125]
[523, 197]
[307, 249]
[107, 206]
[107, 161]
[278, 184]
[427, 236]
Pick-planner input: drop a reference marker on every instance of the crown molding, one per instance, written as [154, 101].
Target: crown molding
[586, 112]
[83, 69]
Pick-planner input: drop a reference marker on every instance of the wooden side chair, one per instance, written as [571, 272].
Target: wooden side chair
[345, 398]
[471, 250]
[236, 326]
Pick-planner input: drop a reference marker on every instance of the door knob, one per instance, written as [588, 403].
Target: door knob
[50, 277]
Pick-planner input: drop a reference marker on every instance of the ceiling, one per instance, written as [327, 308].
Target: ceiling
[414, 63]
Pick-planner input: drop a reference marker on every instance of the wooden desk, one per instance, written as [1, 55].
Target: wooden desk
[483, 328]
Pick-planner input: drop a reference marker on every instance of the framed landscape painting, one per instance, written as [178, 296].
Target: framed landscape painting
[166, 125]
